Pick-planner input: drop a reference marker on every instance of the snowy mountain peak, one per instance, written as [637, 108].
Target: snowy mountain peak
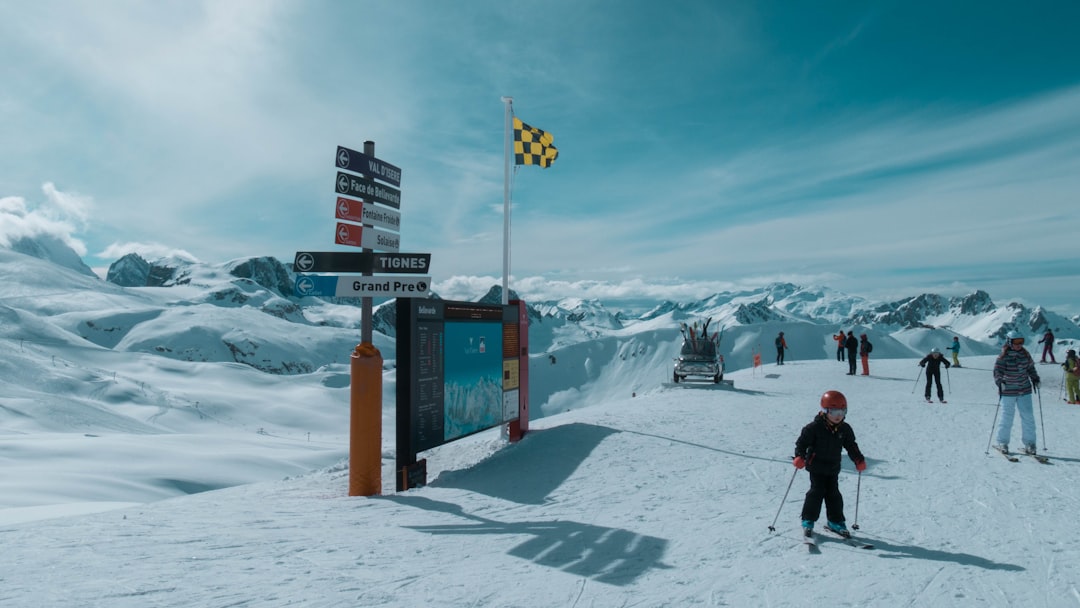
[52, 249]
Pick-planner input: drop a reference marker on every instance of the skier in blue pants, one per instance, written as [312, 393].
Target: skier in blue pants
[1016, 379]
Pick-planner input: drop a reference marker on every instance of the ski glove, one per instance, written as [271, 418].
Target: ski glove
[860, 466]
[799, 462]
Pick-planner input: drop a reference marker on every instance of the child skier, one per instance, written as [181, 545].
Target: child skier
[818, 450]
[1072, 376]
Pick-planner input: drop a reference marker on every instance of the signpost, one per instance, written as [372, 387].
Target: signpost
[357, 211]
[354, 286]
[362, 187]
[358, 162]
[362, 261]
[367, 237]
[365, 428]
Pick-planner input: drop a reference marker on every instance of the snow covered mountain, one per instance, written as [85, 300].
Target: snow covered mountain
[243, 311]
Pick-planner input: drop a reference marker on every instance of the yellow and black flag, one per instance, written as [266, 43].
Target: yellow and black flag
[533, 146]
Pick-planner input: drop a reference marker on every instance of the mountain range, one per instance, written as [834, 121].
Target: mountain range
[189, 311]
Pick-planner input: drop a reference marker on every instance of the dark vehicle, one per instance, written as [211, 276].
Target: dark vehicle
[699, 358]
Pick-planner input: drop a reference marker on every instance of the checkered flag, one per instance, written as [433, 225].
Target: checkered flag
[533, 146]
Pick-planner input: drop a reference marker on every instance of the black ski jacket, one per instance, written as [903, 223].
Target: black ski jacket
[820, 443]
[933, 364]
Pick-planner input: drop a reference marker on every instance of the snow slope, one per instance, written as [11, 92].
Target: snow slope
[661, 499]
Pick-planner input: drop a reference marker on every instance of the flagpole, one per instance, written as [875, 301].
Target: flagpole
[506, 202]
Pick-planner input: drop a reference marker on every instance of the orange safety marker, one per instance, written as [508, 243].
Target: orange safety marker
[365, 421]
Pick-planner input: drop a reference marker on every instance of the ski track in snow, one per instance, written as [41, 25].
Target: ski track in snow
[663, 499]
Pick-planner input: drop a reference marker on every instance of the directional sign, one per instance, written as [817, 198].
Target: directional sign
[368, 238]
[362, 187]
[362, 261]
[356, 211]
[359, 286]
[358, 162]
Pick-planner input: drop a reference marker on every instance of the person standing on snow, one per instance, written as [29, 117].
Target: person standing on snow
[818, 450]
[1048, 346]
[781, 346]
[864, 353]
[933, 363]
[1016, 378]
[852, 346]
[840, 339]
[955, 348]
[1072, 376]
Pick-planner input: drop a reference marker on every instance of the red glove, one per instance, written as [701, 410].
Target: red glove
[860, 466]
[799, 462]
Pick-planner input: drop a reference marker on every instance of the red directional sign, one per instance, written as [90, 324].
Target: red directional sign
[368, 238]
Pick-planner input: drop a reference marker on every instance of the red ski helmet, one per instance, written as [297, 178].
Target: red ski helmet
[833, 400]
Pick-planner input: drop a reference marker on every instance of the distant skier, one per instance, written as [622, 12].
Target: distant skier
[1016, 378]
[864, 353]
[840, 339]
[852, 345]
[1072, 376]
[781, 346]
[955, 348]
[1048, 346]
[933, 362]
[818, 449]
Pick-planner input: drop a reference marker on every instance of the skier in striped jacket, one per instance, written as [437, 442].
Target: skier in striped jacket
[1016, 379]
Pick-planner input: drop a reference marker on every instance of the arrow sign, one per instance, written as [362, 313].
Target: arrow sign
[362, 261]
[358, 162]
[368, 238]
[356, 211]
[362, 187]
[359, 286]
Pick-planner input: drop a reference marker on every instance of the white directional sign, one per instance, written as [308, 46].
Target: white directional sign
[353, 286]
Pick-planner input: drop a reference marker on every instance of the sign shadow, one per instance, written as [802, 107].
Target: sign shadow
[608, 555]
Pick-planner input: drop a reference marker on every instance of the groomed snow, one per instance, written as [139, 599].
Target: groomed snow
[660, 499]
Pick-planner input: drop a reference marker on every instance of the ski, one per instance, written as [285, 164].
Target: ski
[850, 540]
[1040, 459]
[810, 542]
[1007, 456]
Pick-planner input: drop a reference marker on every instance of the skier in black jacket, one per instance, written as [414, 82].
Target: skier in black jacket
[933, 363]
[818, 449]
[852, 344]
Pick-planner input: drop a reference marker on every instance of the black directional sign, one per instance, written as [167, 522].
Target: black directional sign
[362, 261]
[362, 187]
[358, 162]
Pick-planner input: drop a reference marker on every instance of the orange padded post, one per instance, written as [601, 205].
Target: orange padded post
[365, 421]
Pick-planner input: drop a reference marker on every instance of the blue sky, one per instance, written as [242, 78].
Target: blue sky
[881, 149]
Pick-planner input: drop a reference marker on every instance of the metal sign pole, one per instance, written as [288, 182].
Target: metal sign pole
[365, 302]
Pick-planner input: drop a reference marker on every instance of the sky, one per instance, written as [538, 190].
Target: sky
[883, 150]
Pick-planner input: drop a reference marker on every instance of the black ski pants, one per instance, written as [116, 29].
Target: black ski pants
[824, 487]
[934, 376]
[851, 361]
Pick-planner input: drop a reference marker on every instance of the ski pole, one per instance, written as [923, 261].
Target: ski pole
[992, 426]
[772, 528]
[917, 381]
[858, 485]
[1061, 389]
